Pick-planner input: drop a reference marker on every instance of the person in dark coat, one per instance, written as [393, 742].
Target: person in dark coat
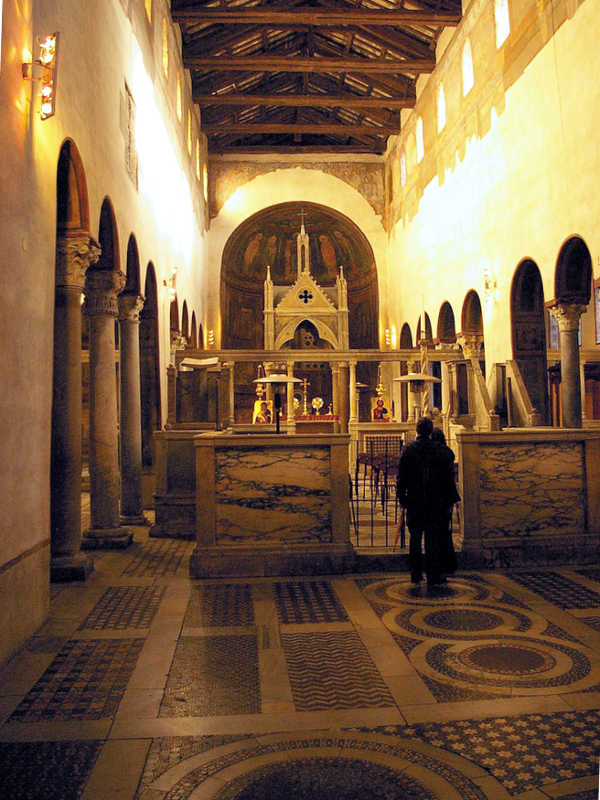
[426, 489]
[450, 493]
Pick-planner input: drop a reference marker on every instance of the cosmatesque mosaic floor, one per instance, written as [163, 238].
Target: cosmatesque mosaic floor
[145, 685]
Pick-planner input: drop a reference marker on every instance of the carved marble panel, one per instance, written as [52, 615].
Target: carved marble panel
[270, 495]
[531, 488]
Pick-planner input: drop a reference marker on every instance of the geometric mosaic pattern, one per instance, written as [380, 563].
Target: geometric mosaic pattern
[308, 601]
[472, 644]
[159, 557]
[86, 680]
[213, 676]
[521, 752]
[46, 770]
[332, 670]
[124, 607]
[263, 770]
[220, 605]
[169, 751]
[333, 778]
[558, 589]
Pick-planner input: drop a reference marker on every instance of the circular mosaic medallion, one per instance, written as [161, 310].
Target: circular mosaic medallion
[463, 619]
[324, 779]
[507, 659]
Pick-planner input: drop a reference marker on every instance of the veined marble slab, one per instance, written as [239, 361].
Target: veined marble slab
[531, 488]
[273, 494]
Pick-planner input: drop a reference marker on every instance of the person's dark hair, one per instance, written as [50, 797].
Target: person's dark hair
[438, 436]
[424, 427]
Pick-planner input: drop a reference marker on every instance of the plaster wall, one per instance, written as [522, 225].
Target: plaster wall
[101, 45]
[512, 177]
[290, 185]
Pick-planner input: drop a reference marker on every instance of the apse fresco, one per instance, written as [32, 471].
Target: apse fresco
[269, 238]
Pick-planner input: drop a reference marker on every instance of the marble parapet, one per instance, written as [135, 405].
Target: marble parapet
[269, 504]
[530, 494]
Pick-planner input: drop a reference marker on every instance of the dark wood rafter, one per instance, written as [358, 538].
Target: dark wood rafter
[310, 75]
[268, 15]
[269, 63]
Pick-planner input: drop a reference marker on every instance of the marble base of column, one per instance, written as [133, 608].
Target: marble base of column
[74, 567]
[107, 539]
[134, 519]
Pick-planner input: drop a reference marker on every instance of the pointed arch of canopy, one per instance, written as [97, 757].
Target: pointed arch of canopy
[287, 333]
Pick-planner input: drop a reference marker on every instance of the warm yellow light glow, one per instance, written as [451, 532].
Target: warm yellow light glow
[468, 76]
[403, 169]
[198, 159]
[441, 109]
[47, 49]
[148, 7]
[165, 47]
[502, 19]
[189, 131]
[420, 143]
[205, 182]
[234, 202]
[162, 181]
[394, 337]
[179, 100]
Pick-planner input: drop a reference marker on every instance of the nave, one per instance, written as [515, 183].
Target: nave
[145, 684]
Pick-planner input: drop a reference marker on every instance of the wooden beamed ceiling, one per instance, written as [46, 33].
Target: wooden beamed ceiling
[307, 75]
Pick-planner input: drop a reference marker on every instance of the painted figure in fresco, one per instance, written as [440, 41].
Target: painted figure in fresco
[426, 489]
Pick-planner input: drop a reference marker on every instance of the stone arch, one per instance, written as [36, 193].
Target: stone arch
[268, 237]
[185, 325]
[446, 327]
[72, 208]
[200, 337]
[528, 330]
[149, 370]
[287, 333]
[75, 253]
[573, 274]
[406, 342]
[108, 238]
[472, 317]
[174, 316]
[132, 281]
[428, 329]
[194, 332]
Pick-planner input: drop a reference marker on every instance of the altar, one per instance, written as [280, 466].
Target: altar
[271, 505]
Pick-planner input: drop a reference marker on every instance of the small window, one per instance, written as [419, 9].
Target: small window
[205, 181]
[420, 143]
[553, 340]
[198, 159]
[502, 19]
[441, 109]
[402, 169]
[467, 69]
[165, 47]
[131, 159]
[189, 131]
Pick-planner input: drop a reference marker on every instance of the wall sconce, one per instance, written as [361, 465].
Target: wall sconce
[43, 69]
[388, 337]
[211, 337]
[490, 285]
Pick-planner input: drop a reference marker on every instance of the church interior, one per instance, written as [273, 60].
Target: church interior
[246, 245]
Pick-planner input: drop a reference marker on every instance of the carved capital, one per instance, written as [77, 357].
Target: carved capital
[567, 315]
[470, 344]
[74, 255]
[101, 290]
[130, 306]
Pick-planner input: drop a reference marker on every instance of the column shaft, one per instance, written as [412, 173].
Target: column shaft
[131, 412]
[73, 255]
[568, 316]
[102, 287]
